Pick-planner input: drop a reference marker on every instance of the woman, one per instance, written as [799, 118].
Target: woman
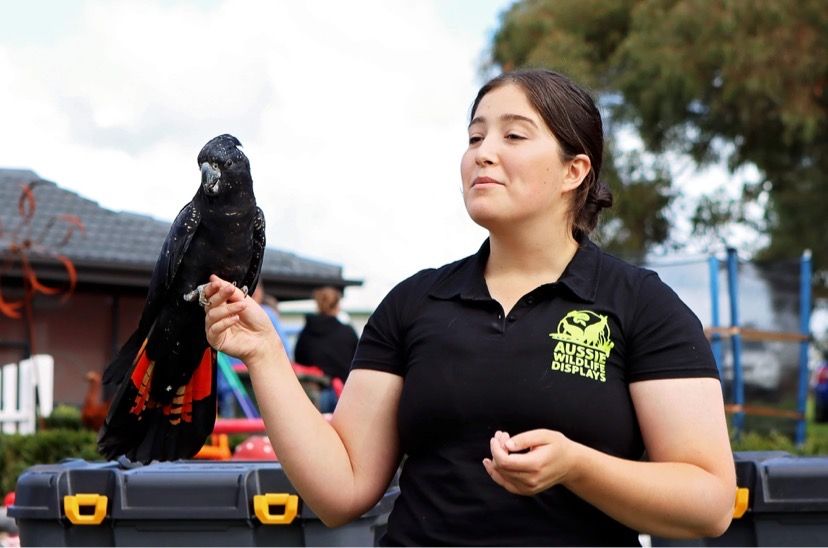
[325, 341]
[542, 391]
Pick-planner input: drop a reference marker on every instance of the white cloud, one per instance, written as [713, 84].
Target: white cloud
[352, 114]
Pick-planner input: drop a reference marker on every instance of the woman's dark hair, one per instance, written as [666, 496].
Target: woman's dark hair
[571, 115]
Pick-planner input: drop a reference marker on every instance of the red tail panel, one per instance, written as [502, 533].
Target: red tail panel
[199, 387]
[202, 381]
[141, 377]
[142, 363]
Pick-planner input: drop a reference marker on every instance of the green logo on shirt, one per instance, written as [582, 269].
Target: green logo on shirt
[583, 345]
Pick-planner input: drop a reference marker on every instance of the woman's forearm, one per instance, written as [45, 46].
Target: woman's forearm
[311, 452]
[677, 500]
[340, 468]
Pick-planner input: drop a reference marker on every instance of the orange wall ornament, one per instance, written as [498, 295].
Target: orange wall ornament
[20, 245]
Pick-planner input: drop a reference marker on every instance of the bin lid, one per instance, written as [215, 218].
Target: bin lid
[781, 482]
[159, 491]
[193, 490]
[797, 483]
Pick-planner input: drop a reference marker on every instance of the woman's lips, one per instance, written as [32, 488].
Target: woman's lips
[485, 181]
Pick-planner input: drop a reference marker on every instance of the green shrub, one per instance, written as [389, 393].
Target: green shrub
[64, 416]
[816, 441]
[18, 451]
[757, 441]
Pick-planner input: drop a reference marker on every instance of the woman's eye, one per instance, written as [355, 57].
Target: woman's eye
[514, 137]
[475, 139]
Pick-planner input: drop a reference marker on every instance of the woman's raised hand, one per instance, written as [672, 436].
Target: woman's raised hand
[235, 324]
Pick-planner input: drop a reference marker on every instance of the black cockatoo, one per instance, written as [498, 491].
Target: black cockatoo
[165, 404]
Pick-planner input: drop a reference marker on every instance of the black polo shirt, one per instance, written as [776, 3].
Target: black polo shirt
[562, 359]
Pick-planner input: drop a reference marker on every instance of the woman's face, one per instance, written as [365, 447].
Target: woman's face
[512, 170]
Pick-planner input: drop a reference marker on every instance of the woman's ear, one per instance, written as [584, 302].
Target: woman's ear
[576, 171]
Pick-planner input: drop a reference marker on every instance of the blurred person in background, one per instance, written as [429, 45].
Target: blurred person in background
[326, 342]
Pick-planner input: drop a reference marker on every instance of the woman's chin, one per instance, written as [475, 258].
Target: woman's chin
[484, 218]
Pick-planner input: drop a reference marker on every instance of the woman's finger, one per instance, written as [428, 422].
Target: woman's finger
[527, 440]
[224, 294]
[215, 331]
[499, 453]
[499, 478]
[224, 289]
[221, 309]
[212, 286]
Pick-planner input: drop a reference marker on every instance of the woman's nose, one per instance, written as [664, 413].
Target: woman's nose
[485, 155]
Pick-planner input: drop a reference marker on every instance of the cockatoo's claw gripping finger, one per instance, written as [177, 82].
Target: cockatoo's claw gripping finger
[243, 289]
[202, 300]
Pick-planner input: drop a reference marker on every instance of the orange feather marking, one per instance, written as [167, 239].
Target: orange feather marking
[142, 379]
[202, 381]
[199, 387]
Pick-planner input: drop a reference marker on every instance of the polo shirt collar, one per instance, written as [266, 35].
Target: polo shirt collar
[468, 282]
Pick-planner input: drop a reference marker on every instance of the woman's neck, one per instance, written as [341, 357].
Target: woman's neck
[519, 263]
[538, 254]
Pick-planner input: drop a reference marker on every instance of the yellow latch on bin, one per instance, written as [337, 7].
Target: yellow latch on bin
[262, 504]
[741, 504]
[72, 505]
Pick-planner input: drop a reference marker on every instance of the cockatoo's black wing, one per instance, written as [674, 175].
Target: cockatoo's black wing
[169, 260]
[251, 278]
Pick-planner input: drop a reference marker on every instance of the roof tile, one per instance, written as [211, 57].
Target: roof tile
[117, 239]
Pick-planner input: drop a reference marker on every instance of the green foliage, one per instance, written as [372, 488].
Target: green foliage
[64, 416]
[744, 81]
[765, 435]
[18, 452]
[755, 441]
[572, 36]
[816, 442]
[638, 217]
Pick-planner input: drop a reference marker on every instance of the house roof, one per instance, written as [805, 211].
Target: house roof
[120, 248]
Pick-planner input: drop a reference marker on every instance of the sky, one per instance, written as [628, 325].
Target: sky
[353, 115]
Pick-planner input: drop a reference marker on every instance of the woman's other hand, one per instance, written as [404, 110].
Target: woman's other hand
[530, 462]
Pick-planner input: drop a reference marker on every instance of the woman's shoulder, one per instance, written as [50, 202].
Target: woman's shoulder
[422, 282]
[618, 278]
[616, 267]
[402, 303]
[640, 286]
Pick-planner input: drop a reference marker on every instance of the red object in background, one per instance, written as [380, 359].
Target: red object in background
[238, 426]
[337, 385]
[254, 448]
[308, 372]
[94, 409]
[822, 375]
[8, 500]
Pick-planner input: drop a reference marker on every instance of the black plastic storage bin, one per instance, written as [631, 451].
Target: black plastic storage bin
[783, 501]
[182, 503]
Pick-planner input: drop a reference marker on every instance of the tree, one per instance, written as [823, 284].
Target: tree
[736, 81]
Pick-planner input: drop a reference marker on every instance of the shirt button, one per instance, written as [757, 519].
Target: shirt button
[511, 318]
[500, 316]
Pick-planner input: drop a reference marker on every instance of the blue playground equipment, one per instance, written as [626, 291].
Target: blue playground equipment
[737, 333]
[240, 393]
